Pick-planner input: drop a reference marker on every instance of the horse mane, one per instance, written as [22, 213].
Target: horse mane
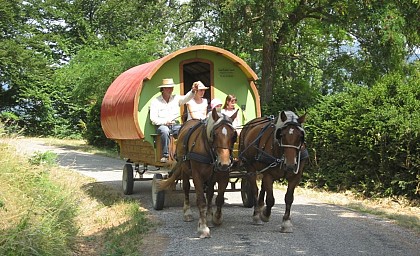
[291, 118]
[210, 123]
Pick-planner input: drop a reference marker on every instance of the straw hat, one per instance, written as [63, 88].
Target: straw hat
[167, 82]
[201, 86]
[215, 102]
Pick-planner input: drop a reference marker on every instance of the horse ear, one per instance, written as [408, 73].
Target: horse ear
[232, 117]
[302, 118]
[283, 116]
[214, 114]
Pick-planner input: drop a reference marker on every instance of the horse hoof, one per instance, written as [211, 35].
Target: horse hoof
[286, 227]
[264, 218]
[205, 233]
[188, 218]
[256, 221]
[286, 230]
[205, 236]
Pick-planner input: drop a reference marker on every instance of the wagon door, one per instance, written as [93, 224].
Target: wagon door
[197, 70]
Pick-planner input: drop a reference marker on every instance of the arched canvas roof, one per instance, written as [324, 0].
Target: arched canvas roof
[120, 104]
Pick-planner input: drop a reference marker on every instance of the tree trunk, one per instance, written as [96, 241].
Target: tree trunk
[267, 79]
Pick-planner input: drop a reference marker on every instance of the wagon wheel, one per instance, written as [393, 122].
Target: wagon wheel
[128, 179]
[246, 193]
[158, 197]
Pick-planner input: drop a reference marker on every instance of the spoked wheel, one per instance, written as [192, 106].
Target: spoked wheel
[158, 197]
[246, 193]
[128, 179]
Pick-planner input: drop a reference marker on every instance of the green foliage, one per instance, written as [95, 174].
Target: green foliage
[94, 134]
[35, 44]
[89, 75]
[46, 158]
[9, 124]
[367, 139]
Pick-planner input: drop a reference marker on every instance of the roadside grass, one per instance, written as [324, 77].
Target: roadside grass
[47, 210]
[403, 212]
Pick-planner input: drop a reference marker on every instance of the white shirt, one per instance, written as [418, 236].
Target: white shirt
[162, 112]
[199, 109]
[235, 123]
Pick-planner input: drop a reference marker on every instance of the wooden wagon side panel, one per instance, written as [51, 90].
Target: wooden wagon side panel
[137, 150]
[142, 151]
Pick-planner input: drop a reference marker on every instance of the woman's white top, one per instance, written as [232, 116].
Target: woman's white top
[199, 110]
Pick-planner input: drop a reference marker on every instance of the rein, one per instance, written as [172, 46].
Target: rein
[266, 158]
[189, 155]
[211, 157]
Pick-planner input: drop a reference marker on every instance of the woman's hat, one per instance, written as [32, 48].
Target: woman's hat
[215, 102]
[167, 82]
[201, 86]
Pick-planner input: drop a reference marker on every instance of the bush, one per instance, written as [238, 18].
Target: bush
[366, 139]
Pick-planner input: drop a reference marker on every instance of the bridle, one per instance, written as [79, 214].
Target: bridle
[298, 147]
[280, 137]
[224, 121]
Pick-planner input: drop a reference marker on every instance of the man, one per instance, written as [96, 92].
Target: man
[164, 112]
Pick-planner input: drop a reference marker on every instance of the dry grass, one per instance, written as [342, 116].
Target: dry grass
[400, 210]
[34, 198]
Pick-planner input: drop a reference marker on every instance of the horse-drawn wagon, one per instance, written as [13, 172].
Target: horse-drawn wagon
[125, 107]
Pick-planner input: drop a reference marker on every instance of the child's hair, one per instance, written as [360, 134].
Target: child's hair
[230, 97]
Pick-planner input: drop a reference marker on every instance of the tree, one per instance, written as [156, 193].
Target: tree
[88, 76]
[310, 42]
[42, 36]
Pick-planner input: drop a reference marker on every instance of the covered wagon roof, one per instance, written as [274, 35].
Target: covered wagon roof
[120, 104]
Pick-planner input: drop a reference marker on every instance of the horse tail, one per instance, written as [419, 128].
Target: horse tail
[176, 173]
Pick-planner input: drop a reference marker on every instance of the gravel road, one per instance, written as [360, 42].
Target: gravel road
[319, 228]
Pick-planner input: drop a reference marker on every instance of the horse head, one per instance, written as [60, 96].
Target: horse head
[222, 137]
[291, 137]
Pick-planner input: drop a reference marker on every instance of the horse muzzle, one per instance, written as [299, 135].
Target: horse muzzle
[223, 167]
[291, 168]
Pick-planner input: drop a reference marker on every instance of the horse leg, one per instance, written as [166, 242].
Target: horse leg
[209, 214]
[202, 228]
[220, 200]
[267, 185]
[188, 217]
[256, 220]
[286, 225]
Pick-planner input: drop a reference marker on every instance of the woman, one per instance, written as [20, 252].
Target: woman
[197, 107]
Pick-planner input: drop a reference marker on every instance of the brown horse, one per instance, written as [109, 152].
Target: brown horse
[274, 148]
[204, 152]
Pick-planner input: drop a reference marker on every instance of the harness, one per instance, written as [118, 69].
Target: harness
[206, 159]
[210, 157]
[263, 157]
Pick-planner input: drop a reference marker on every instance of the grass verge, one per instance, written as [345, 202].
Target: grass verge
[47, 210]
[401, 211]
